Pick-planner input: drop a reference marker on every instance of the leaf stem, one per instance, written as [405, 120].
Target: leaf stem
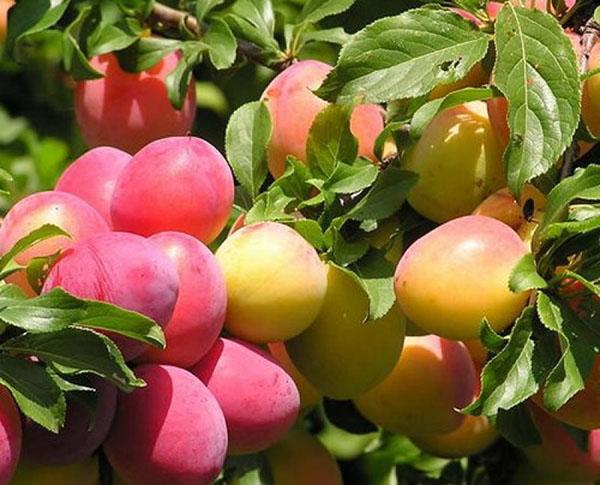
[162, 15]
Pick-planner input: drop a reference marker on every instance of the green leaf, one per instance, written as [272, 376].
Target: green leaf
[377, 275]
[312, 232]
[336, 35]
[536, 69]
[524, 276]
[517, 426]
[316, 10]
[510, 377]
[29, 17]
[44, 232]
[583, 184]
[146, 53]
[74, 351]
[253, 20]
[74, 59]
[347, 252]
[58, 310]
[347, 179]
[405, 56]
[108, 37]
[295, 180]
[246, 139]
[425, 114]
[222, 44]
[490, 339]
[205, 6]
[270, 206]
[386, 195]
[35, 392]
[578, 356]
[330, 140]
[178, 81]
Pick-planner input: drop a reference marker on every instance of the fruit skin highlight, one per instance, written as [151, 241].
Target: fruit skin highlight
[431, 380]
[73, 215]
[150, 197]
[339, 353]
[259, 400]
[84, 430]
[201, 302]
[300, 459]
[438, 281]
[129, 110]
[275, 280]
[10, 436]
[293, 107]
[459, 163]
[93, 176]
[171, 431]
[123, 269]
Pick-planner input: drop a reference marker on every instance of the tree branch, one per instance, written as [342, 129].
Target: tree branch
[164, 16]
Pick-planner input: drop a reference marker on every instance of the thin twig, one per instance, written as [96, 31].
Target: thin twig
[164, 16]
[589, 37]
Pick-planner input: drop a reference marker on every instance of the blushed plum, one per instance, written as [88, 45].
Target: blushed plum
[275, 282]
[293, 107]
[300, 459]
[459, 163]
[123, 269]
[93, 176]
[83, 473]
[259, 399]
[129, 110]
[84, 430]
[432, 379]
[174, 184]
[171, 431]
[200, 309]
[309, 395]
[10, 436]
[339, 353]
[438, 281]
[70, 213]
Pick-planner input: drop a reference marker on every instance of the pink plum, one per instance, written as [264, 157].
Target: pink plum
[174, 184]
[171, 431]
[84, 431]
[129, 110]
[259, 399]
[10, 436]
[93, 176]
[200, 309]
[123, 269]
[75, 216]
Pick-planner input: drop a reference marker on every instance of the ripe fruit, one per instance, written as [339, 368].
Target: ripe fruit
[293, 108]
[309, 395]
[275, 282]
[300, 459]
[475, 77]
[171, 431]
[493, 8]
[473, 436]
[502, 206]
[340, 353]
[10, 436]
[559, 456]
[174, 184]
[200, 309]
[129, 110]
[583, 409]
[70, 213]
[591, 87]
[123, 269]
[432, 378]
[84, 431]
[93, 176]
[459, 163]
[259, 400]
[84, 473]
[4, 6]
[454, 256]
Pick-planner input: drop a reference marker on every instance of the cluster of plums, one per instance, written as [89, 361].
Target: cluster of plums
[141, 208]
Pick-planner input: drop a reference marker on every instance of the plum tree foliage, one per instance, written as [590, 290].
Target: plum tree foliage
[433, 160]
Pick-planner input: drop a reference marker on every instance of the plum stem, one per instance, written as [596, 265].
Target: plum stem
[170, 17]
